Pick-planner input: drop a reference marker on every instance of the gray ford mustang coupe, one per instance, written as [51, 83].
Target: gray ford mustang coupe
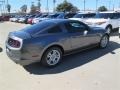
[49, 40]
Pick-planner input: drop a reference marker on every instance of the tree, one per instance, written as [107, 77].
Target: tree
[102, 8]
[24, 9]
[33, 8]
[9, 8]
[67, 7]
[39, 5]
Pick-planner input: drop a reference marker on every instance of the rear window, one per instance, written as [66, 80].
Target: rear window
[55, 29]
[34, 29]
[70, 15]
[52, 16]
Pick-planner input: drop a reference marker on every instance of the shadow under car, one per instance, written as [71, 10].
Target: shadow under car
[73, 61]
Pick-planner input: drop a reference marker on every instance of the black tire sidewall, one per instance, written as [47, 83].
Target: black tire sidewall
[107, 41]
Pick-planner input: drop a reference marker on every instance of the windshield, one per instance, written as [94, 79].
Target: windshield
[43, 16]
[32, 16]
[38, 27]
[104, 15]
[90, 15]
[52, 16]
[37, 16]
[61, 16]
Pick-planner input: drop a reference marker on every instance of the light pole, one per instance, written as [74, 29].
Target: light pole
[84, 5]
[96, 5]
[0, 9]
[113, 5]
[109, 4]
[47, 7]
[54, 2]
[7, 2]
[2, 6]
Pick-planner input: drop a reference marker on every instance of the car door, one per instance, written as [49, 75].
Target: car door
[115, 20]
[80, 35]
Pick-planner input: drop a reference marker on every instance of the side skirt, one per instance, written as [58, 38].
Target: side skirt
[80, 49]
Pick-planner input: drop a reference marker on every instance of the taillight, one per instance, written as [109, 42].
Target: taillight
[13, 43]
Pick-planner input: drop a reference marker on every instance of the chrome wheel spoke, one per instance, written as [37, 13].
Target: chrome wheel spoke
[104, 41]
[53, 57]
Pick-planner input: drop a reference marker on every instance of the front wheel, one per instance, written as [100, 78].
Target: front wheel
[52, 57]
[104, 41]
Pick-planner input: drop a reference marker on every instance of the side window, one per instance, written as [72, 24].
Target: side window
[55, 29]
[69, 15]
[116, 15]
[75, 27]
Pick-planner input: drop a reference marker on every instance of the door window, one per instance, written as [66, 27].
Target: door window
[73, 27]
[55, 29]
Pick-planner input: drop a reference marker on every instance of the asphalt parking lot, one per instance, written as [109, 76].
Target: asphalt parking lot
[94, 69]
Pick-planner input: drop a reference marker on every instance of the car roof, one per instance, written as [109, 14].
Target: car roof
[87, 13]
[109, 12]
[58, 21]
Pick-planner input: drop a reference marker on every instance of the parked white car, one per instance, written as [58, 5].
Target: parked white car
[83, 16]
[106, 20]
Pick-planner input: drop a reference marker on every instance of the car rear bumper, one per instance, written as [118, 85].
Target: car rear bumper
[18, 58]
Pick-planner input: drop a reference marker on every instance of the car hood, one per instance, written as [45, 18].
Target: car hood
[95, 20]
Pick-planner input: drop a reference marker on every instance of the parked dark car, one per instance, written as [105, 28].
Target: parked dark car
[66, 15]
[4, 18]
[0, 18]
[37, 19]
[47, 17]
[49, 40]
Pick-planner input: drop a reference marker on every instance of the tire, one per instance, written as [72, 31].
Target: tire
[109, 29]
[52, 57]
[104, 41]
[1, 49]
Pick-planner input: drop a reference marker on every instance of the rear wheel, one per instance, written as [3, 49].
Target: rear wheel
[104, 41]
[52, 57]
